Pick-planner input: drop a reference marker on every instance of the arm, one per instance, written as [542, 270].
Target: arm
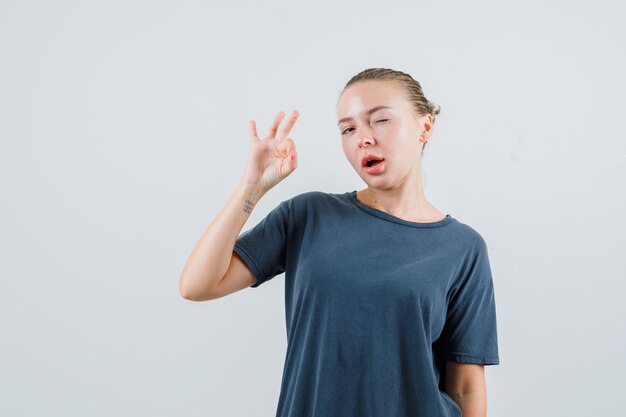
[211, 256]
[212, 270]
[465, 383]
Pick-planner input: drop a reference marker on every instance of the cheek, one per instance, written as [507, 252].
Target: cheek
[409, 139]
[346, 149]
[350, 154]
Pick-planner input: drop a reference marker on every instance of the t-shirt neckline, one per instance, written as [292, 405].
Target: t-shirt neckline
[386, 216]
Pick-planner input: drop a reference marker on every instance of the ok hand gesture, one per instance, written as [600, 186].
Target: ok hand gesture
[271, 159]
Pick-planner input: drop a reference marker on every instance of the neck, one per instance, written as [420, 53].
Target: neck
[407, 203]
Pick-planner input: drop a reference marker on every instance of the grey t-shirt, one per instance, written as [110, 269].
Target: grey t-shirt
[374, 306]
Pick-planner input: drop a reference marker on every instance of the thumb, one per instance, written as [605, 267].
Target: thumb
[292, 162]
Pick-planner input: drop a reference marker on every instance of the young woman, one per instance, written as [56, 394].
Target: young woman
[389, 302]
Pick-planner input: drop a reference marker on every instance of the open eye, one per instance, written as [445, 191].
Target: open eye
[344, 132]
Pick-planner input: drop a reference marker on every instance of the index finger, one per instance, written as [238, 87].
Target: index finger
[290, 122]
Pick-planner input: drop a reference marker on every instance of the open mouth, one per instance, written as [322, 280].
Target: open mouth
[373, 162]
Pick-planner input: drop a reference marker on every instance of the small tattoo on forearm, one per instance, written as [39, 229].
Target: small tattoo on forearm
[248, 206]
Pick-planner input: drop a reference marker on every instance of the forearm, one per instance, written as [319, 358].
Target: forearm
[211, 255]
[472, 403]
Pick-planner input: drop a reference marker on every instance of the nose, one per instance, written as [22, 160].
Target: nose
[366, 138]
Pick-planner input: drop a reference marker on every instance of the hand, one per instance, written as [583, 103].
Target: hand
[272, 159]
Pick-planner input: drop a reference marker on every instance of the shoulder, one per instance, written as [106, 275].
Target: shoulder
[315, 207]
[474, 264]
[314, 196]
[313, 200]
[469, 237]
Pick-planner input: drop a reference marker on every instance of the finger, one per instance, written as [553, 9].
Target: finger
[289, 145]
[272, 130]
[292, 162]
[252, 129]
[292, 155]
[292, 121]
[285, 147]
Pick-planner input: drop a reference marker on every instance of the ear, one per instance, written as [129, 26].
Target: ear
[426, 126]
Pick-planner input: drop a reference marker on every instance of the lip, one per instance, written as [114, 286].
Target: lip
[368, 157]
[376, 169]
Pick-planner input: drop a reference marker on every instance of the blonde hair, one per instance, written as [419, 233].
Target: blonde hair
[412, 87]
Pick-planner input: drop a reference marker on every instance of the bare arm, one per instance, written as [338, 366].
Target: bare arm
[211, 256]
[465, 383]
[213, 269]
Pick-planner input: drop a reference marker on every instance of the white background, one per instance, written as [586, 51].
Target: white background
[123, 131]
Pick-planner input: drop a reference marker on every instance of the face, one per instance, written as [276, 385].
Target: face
[395, 133]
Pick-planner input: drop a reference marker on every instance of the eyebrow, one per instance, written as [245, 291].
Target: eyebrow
[370, 111]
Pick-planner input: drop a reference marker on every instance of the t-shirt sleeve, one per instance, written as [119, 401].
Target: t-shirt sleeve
[470, 330]
[263, 247]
